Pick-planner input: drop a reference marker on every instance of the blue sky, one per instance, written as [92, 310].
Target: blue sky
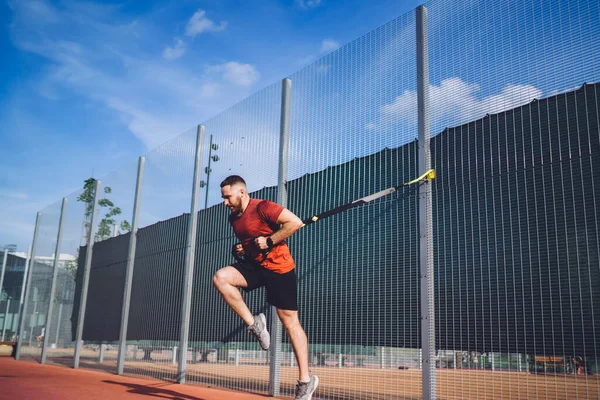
[90, 86]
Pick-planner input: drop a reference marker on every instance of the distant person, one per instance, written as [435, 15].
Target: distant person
[264, 259]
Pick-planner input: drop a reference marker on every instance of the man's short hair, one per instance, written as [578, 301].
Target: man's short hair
[232, 180]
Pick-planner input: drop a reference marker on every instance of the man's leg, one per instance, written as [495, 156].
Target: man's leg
[291, 323]
[227, 281]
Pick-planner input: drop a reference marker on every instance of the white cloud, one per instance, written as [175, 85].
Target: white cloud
[456, 102]
[199, 24]
[234, 72]
[101, 63]
[149, 128]
[308, 3]
[329, 45]
[174, 52]
[209, 89]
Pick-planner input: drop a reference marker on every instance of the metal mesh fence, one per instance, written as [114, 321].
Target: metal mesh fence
[10, 294]
[105, 296]
[247, 144]
[40, 278]
[60, 344]
[516, 246]
[480, 283]
[358, 270]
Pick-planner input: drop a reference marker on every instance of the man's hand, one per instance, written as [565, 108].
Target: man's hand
[263, 243]
[239, 250]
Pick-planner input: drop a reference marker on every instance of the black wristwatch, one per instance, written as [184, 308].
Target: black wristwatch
[270, 243]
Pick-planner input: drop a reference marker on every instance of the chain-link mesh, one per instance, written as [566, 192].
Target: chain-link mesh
[40, 280]
[245, 139]
[107, 269]
[510, 235]
[514, 115]
[358, 271]
[10, 294]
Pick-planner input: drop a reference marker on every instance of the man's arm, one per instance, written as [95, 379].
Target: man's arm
[289, 223]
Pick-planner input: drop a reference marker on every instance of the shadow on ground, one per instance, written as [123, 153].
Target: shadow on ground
[154, 391]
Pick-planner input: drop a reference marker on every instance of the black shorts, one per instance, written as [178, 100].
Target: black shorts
[282, 291]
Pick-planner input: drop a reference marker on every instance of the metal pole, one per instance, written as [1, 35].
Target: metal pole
[129, 270]
[101, 353]
[282, 198]
[26, 287]
[1, 283]
[2, 273]
[60, 307]
[24, 284]
[208, 171]
[53, 285]
[86, 277]
[5, 317]
[190, 256]
[425, 220]
[36, 317]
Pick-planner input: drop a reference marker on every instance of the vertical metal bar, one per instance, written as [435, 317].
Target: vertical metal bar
[34, 314]
[2, 272]
[60, 307]
[282, 198]
[26, 287]
[24, 283]
[129, 269]
[190, 256]
[54, 277]
[208, 171]
[86, 277]
[1, 283]
[5, 317]
[425, 218]
[101, 352]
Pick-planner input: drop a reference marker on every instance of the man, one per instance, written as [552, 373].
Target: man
[262, 227]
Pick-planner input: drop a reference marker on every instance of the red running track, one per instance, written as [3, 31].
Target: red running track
[21, 380]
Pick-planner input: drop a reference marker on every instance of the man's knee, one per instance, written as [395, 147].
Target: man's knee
[288, 318]
[221, 278]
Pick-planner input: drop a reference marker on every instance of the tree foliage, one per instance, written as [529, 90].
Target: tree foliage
[108, 222]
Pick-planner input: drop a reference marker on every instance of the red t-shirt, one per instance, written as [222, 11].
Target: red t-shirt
[259, 219]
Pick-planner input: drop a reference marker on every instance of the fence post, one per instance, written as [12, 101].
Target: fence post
[2, 281]
[6, 317]
[282, 198]
[53, 284]
[7, 298]
[190, 256]
[23, 285]
[129, 270]
[86, 276]
[26, 287]
[425, 218]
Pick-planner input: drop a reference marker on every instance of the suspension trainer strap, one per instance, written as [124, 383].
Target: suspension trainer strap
[425, 177]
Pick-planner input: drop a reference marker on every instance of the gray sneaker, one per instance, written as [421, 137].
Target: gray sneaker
[259, 329]
[305, 390]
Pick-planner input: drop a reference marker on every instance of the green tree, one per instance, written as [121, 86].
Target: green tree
[108, 222]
